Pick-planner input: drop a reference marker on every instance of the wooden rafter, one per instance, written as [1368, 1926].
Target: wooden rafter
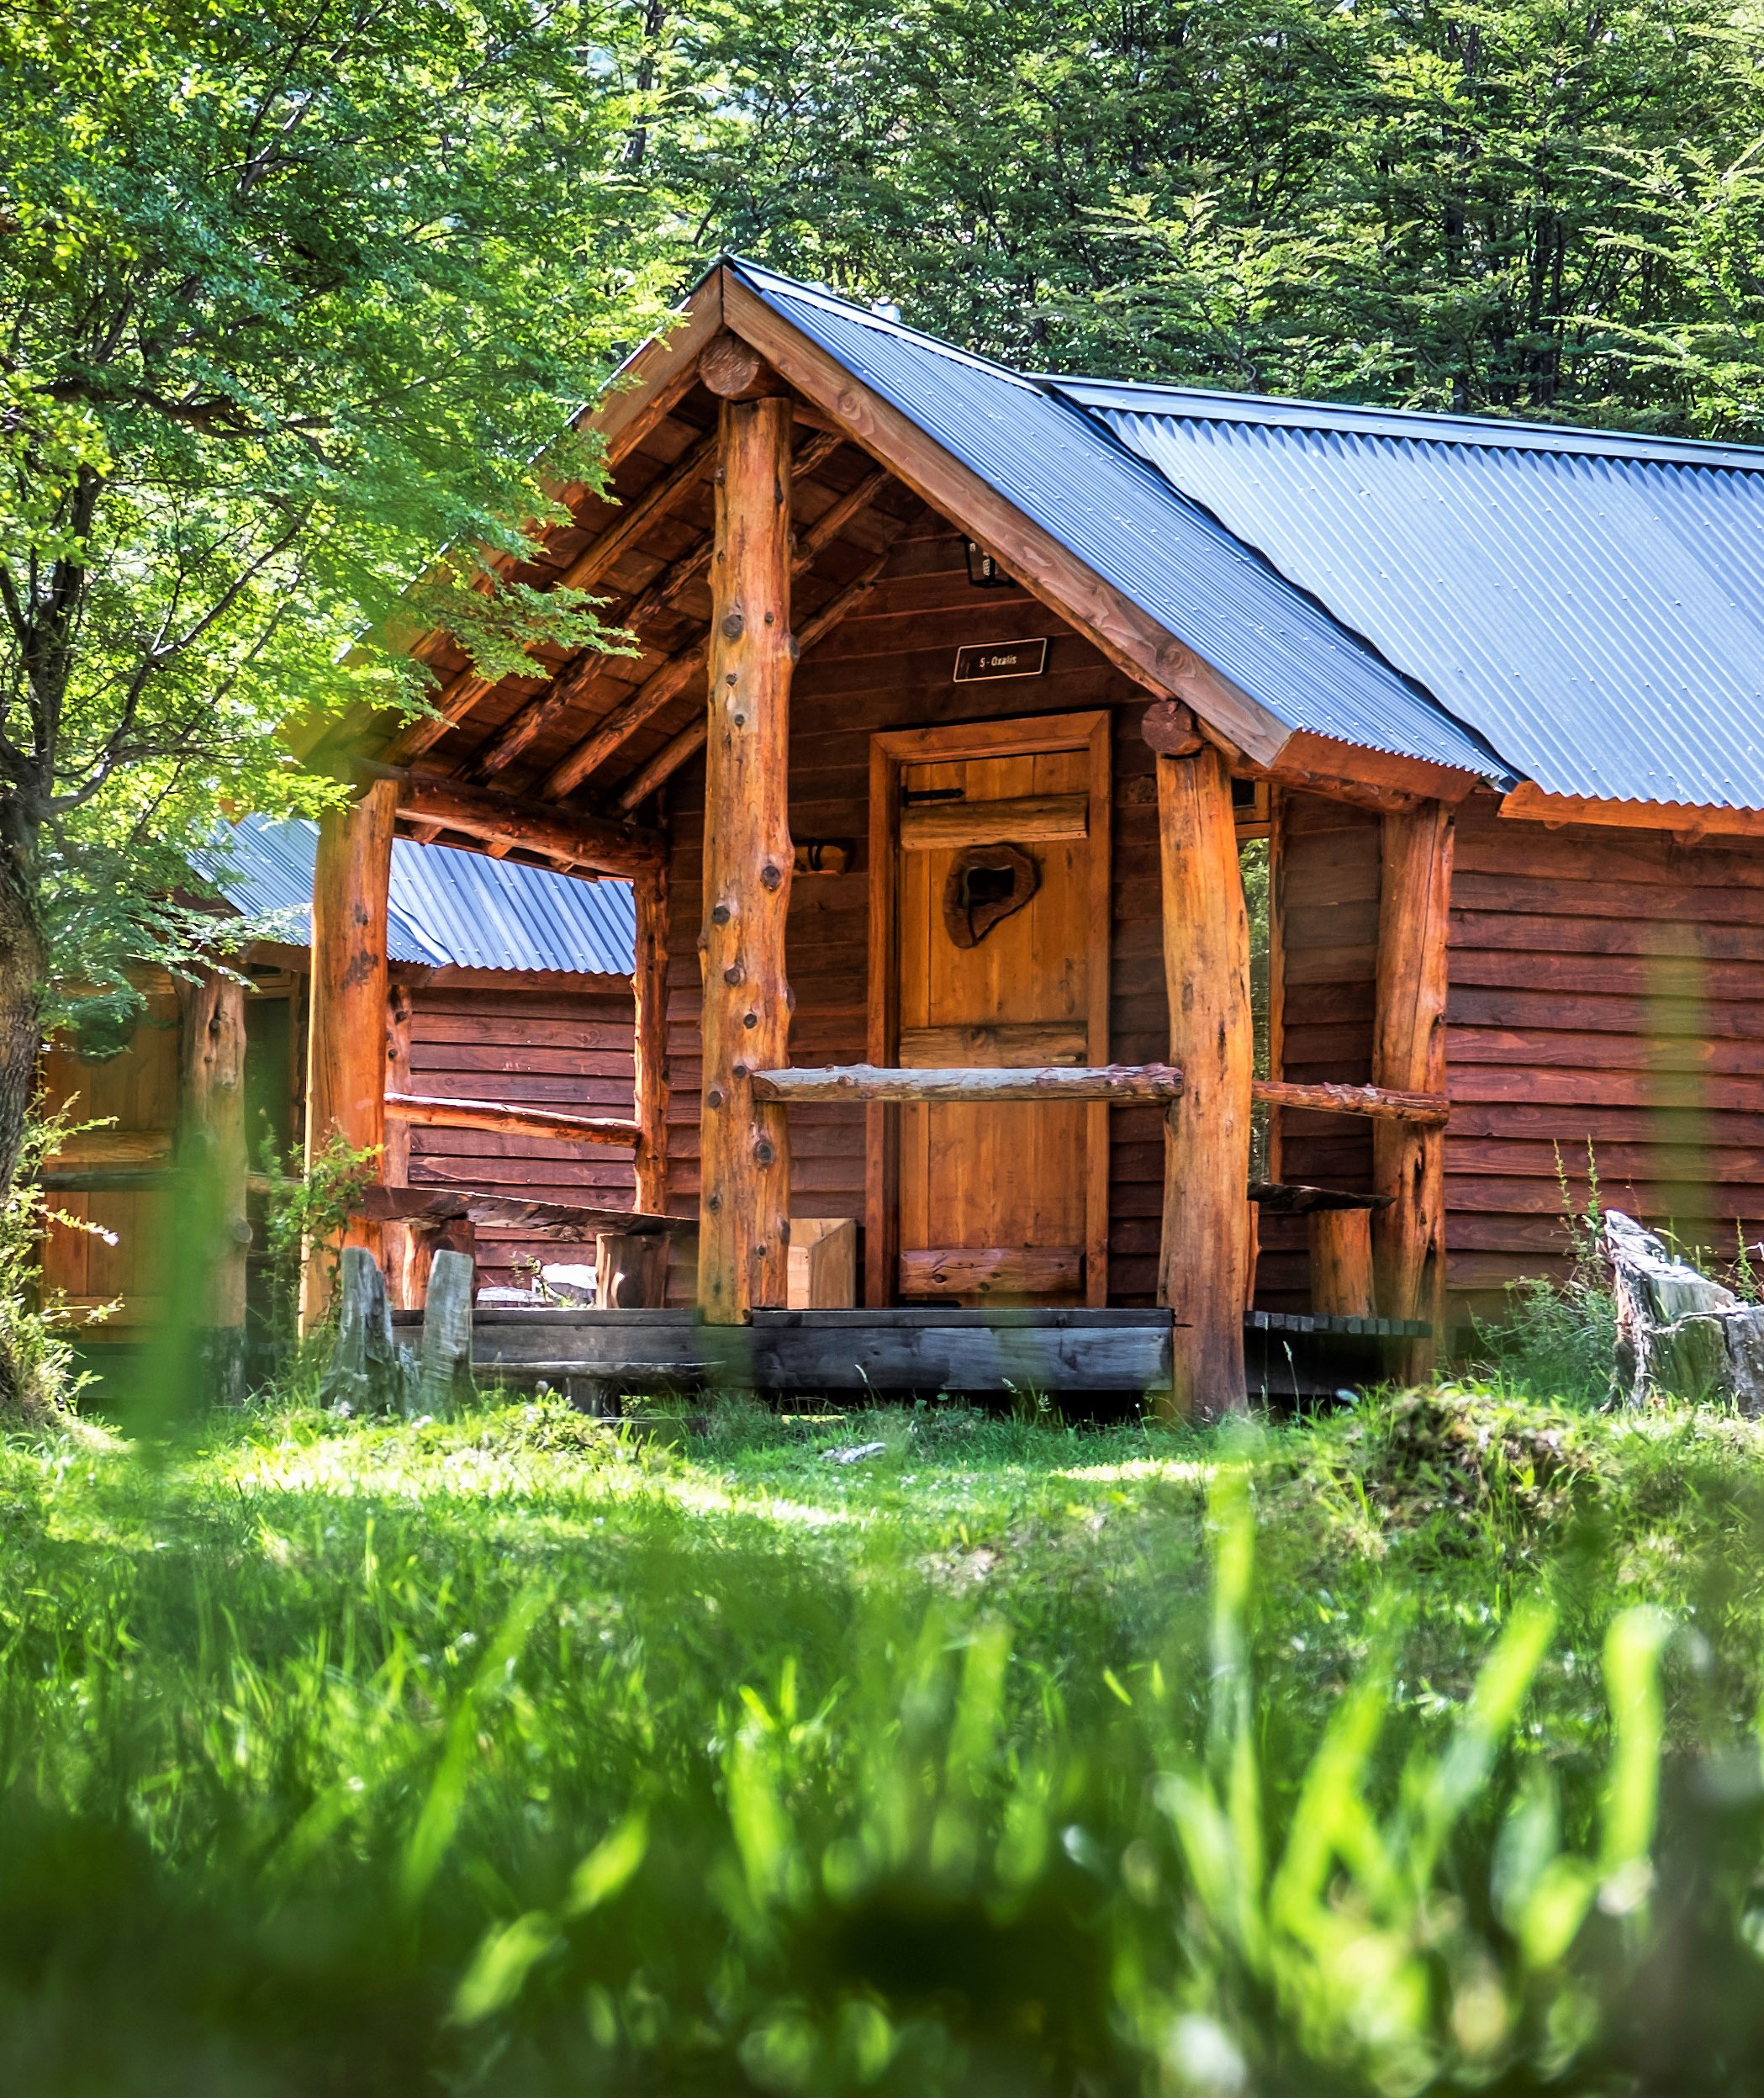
[565, 835]
[466, 688]
[675, 753]
[507, 1118]
[579, 678]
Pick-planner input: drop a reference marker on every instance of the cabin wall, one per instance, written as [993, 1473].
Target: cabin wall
[890, 665]
[1326, 928]
[1605, 989]
[569, 1050]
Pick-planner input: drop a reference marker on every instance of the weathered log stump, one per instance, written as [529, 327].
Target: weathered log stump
[1679, 1334]
[368, 1371]
[444, 1360]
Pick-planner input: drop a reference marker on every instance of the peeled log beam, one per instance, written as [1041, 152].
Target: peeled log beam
[505, 819]
[211, 1142]
[1409, 1054]
[1024, 819]
[675, 753]
[1127, 1085]
[649, 1039]
[1204, 1246]
[500, 1115]
[745, 1020]
[1422, 1110]
[345, 1057]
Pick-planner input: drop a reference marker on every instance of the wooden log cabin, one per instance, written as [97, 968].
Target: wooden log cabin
[510, 982]
[960, 692]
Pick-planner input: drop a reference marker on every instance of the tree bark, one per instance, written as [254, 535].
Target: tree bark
[21, 1042]
[212, 1147]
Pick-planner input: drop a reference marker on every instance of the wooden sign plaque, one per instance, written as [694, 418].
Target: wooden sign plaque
[1000, 659]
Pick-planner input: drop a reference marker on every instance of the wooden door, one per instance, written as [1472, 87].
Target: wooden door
[999, 861]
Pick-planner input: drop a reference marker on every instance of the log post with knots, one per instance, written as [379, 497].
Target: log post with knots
[346, 1063]
[1408, 1156]
[211, 1145]
[744, 1145]
[1204, 1251]
[649, 1041]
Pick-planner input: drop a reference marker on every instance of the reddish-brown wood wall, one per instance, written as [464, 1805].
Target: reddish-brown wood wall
[531, 1048]
[1605, 988]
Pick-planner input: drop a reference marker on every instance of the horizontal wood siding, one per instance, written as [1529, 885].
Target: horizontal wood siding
[1606, 989]
[565, 1050]
[1327, 869]
[890, 665]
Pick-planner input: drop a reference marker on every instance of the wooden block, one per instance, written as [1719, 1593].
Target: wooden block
[1341, 1262]
[630, 1271]
[823, 1269]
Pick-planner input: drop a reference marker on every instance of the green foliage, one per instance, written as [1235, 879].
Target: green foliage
[308, 1205]
[1516, 207]
[510, 1753]
[290, 300]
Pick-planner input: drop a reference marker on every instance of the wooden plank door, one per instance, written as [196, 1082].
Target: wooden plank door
[999, 960]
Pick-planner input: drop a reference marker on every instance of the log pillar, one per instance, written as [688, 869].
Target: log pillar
[1408, 1054]
[211, 1143]
[649, 1050]
[1204, 1257]
[345, 1056]
[395, 1155]
[744, 1144]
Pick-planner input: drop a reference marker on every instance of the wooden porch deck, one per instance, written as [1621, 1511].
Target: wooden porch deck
[921, 1351]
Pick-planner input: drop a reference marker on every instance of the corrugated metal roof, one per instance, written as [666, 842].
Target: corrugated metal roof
[445, 907]
[1596, 610]
[1064, 468]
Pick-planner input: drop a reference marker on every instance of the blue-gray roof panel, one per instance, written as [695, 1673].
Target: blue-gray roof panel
[445, 907]
[1063, 468]
[1596, 613]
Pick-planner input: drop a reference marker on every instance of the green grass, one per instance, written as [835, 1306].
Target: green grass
[508, 1754]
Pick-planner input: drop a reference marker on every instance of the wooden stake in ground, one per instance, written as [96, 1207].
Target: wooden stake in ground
[1204, 1255]
[346, 1063]
[744, 1147]
[1408, 1055]
[649, 1043]
[212, 1146]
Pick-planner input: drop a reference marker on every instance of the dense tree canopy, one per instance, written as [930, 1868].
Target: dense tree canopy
[289, 298]
[1536, 207]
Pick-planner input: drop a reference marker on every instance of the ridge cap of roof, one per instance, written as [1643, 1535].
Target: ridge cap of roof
[1493, 433]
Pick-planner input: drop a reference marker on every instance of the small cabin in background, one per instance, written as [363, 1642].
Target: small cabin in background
[507, 984]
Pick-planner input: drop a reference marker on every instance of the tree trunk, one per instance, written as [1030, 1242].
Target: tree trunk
[21, 1041]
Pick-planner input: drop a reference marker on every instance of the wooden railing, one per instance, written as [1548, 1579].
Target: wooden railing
[506, 1119]
[1125, 1085]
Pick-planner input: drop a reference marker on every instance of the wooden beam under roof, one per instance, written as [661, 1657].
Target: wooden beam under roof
[566, 835]
[678, 749]
[610, 735]
[576, 680]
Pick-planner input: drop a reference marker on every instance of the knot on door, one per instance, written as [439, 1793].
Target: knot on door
[987, 884]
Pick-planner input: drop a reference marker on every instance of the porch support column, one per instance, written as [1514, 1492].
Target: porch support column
[649, 994]
[211, 1135]
[1204, 1257]
[1408, 1164]
[345, 1059]
[744, 1146]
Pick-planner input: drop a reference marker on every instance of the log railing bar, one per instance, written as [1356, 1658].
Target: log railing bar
[1125, 1084]
[1423, 1110]
[502, 1116]
[675, 753]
